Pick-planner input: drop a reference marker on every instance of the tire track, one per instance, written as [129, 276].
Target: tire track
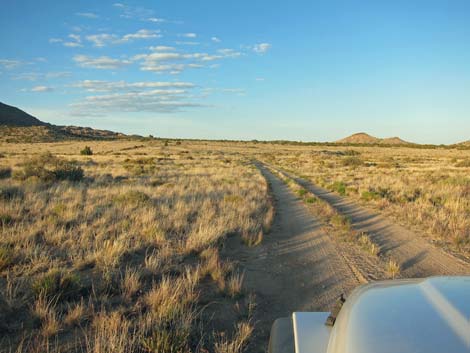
[416, 256]
[297, 267]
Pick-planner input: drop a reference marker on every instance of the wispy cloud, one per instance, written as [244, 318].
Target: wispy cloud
[141, 34]
[75, 41]
[188, 35]
[90, 15]
[104, 39]
[159, 97]
[102, 62]
[42, 89]
[110, 86]
[162, 48]
[175, 62]
[261, 48]
[9, 63]
[215, 40]
[101, 40]
[35, 76]
[134, 12]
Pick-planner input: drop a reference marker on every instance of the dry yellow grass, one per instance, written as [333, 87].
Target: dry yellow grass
[428, 190]
[114, 262]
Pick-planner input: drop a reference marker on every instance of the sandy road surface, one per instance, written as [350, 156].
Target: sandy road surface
[416, 256]
[297, 267]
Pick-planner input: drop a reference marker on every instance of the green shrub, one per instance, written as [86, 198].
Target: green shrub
[369, 195]
[133, 197]
[5, 219]
[48, 168]
[8, 193]
[86, 151]
[352, 161]
[311, 199]
[5, 172]
[339, 187]
[57, 284]
[6, 257]
[301, 192]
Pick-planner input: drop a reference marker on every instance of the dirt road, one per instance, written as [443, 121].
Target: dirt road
[296, 267]
[416, 256]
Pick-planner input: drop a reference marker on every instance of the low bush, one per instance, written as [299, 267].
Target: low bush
[8, 193]
[48, 168]
[5, 172]
[352, 161]
[86, 151]
[132, 197]
[6, 257]
[58, 284]
[339, 187]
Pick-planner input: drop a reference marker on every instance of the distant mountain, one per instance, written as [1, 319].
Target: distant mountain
[465, 143]
[362, 138]
[12, 116]
[19, 126]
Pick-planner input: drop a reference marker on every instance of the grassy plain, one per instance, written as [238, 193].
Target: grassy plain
[427, 190]
[123, 256]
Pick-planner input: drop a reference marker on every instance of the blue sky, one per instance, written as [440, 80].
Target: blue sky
[298, 70]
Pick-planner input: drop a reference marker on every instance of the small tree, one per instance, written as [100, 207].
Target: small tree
[86, 151]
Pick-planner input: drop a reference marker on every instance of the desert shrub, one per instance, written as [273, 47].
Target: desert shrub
[369, 195]
[5, 219]
[58, 284]
[48, 168]
[352, 161]
[339, 187]
[301, 192]
[311, 199]
[351, 153]
[132, 197]
[139, 166]
[5, 172]
[86, 151]
[6, 257]
[10, 192]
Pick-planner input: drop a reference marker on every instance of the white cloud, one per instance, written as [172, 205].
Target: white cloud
[259, 79]
[111, 86]
[55, 40]
[188, 35]
[261, 48]
[156, 20]
[141, 34]
[76, 41]
[90, 15]
[103, 39]
[41, 59]
[150, 100]
[175, 62]
[162, 48]
[42, 89]
[100, 40]
[132, 12]
[215, 40]
[9, 64]
[102, 62]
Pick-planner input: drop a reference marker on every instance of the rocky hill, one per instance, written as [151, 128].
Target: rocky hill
[362, 138]
[19, 126]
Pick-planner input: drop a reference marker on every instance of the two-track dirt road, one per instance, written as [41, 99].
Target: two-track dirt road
[297, 267]
[416, 256]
